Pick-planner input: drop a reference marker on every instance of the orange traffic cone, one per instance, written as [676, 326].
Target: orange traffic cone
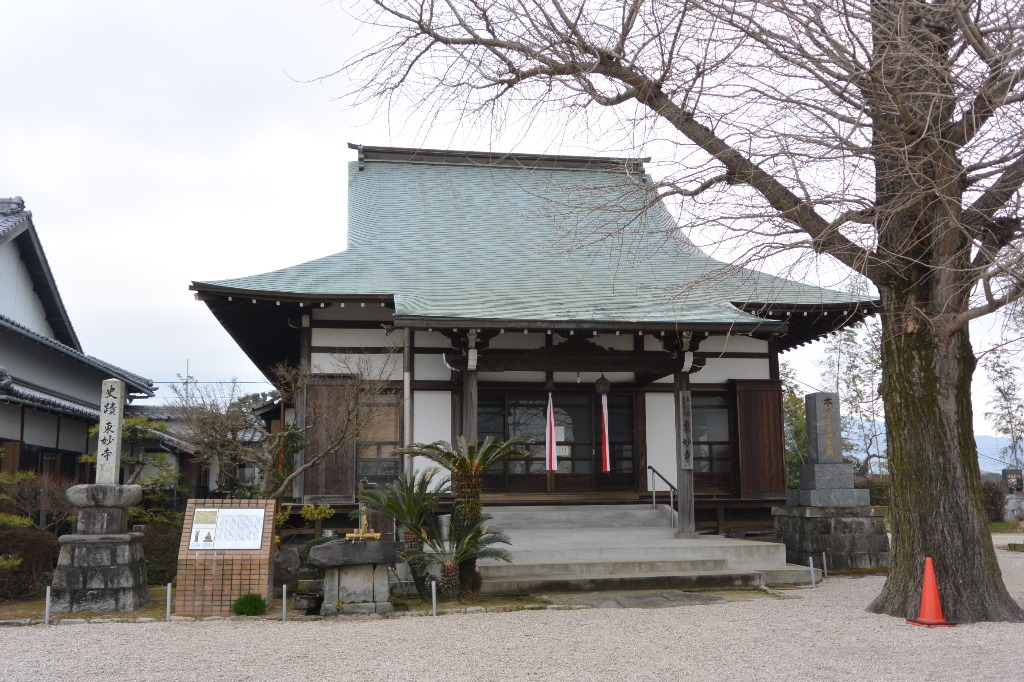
[931, 607]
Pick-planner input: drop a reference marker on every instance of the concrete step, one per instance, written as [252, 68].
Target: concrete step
[586, 568]
[690, 580]
[575, 520]
[605, 536]
[738, 553]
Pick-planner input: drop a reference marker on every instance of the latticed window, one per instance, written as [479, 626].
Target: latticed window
[375, 458]
[712, 443]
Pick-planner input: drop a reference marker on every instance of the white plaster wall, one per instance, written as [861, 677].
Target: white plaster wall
[733, 344]
[431, 421]
[38, 364]
[356, 338]
[661, 433]
[720, 371]
[18, 300]
[40, 429]
[378, 366]
[73, 435]
[431, 367]
[10, 422]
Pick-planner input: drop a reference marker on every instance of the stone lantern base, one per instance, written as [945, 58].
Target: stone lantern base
[101, 567]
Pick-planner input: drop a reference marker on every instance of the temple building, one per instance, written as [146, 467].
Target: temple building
[476, 284]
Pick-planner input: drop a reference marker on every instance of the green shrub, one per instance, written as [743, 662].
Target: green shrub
[311, 571]
[14, 521]
[877, 485]
[37, 550]
[160, 541]
[249, 605]
[994, 495]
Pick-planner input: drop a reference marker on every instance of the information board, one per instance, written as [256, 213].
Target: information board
[226, 529]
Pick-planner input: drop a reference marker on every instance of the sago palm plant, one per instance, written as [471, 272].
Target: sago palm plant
[467, 540]
[411, 501]
[468, 462]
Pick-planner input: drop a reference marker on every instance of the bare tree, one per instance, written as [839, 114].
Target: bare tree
[218, 421]
[852, 367]
[885, 134]
[1007, 405]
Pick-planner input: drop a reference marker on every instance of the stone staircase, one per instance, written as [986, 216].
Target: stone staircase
[578, 548]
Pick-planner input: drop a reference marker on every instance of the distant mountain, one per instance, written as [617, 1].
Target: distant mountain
[988, 451]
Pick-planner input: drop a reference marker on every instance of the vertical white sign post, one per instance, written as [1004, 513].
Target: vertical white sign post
[108, 450]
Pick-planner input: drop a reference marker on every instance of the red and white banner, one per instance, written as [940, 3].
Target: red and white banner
[550, 442]
[606, 446]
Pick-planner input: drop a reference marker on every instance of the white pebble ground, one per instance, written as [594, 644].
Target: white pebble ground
[825, 634]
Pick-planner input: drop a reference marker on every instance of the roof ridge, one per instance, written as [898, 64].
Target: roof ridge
[490, 158]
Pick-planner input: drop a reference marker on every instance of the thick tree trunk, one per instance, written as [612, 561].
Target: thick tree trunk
[936, 506]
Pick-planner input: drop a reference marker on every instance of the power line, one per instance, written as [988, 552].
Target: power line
[192, 381]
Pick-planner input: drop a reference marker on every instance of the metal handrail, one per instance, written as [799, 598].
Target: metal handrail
[672, 490]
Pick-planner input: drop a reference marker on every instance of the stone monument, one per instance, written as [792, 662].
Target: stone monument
[827, 514]
[102, 566]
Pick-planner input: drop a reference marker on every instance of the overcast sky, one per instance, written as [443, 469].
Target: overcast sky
[179, 141]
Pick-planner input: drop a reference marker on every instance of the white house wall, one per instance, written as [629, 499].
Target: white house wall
[356, 338]
[37, 364]
[733, 344]
[373, 366]
[430, 367]
[40, 429]
[719, 371]
[18, 299]
[10, 422]
[431, 421]
[661, 436]
[73, 435]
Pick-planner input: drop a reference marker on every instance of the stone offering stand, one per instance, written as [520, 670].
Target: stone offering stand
[355, 575]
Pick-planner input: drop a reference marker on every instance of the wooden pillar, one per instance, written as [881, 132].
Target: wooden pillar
[305, 343]
[469, 405]
[684, 453]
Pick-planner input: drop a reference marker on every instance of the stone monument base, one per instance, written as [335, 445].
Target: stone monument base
[356, 589]
[852, 538]
[101, 573]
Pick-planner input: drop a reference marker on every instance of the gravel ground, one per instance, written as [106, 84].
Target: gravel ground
[824, 634]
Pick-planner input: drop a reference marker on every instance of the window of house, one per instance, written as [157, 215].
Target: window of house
[712, 444]
[376, 460]
[577, 423]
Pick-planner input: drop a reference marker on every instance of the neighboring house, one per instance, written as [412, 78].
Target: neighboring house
[49, 388]
[498, 278]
